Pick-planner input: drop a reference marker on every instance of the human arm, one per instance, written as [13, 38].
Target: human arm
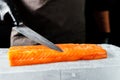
[102, 19]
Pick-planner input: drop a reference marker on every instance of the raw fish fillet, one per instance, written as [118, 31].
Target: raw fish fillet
[39, 54]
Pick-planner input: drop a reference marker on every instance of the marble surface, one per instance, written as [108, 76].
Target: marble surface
[103, 69]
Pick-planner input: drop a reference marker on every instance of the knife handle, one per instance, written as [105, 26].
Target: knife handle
[15, 12]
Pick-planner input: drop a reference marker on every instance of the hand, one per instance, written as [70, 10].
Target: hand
[4, 9]
[106, 37]
[98, 38]
[103, 37]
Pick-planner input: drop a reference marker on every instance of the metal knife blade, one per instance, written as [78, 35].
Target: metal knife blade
[26, 31]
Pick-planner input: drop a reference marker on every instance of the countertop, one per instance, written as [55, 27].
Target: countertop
[103, 69]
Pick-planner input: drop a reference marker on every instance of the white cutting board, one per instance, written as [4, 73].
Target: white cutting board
[103, 69]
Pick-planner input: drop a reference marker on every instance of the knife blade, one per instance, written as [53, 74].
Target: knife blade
[29, 33]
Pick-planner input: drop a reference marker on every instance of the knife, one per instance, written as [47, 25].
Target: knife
[28, 32]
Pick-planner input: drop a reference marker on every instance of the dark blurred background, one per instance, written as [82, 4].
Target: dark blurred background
[5, 31]
[92, 31]
[91, 27]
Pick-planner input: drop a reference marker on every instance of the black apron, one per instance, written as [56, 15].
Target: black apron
[60, 21]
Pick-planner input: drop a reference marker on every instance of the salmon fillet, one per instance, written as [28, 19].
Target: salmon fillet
[39, 54]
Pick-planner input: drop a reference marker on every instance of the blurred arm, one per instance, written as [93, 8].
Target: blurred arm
[103, 21]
